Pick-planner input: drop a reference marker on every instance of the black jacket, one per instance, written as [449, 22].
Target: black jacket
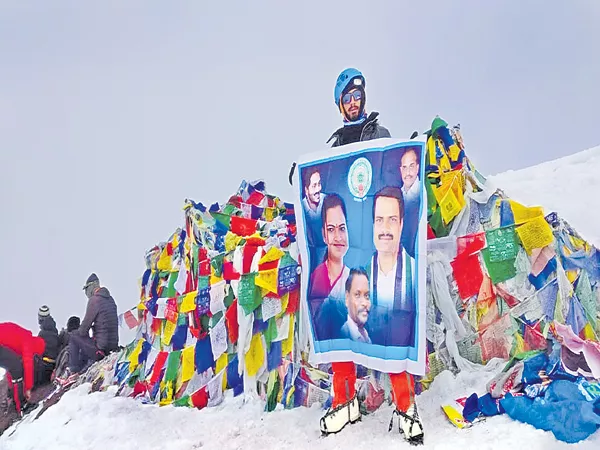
[366, 131]
[49, 334]
[101, 316]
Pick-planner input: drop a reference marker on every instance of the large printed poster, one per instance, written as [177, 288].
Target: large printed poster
[362, 233]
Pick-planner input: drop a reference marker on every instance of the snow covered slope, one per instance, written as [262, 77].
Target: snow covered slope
[100, 421]
[570, 186]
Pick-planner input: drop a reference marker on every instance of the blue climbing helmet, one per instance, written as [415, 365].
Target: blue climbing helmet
[347, 77]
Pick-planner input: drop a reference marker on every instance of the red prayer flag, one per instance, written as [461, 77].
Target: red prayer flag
[255, 198]
[231, 321]
[293, 301]
[242, 226]
[204, 268]
[200, 398]
[467, 245]
[268, 265]
[430, 233]
[468, 275]
[156, 324]
[510, 300]
[229, 273]
[130, 320]
[247, 256]
[161, 358]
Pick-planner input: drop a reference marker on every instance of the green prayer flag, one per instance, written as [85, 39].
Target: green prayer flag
[248, 293]
[502, 244]
[437, 224]
[195, 258]
[173, 365]
[223, 219]
[587, 298]
[217, 264]
[183, 401]
[438, 122]
[287, 260]
[135, 375]
[230, 209]
[271, 332]
[273, 388]
[215, 319]
[203, 282]
[204, 321]
[170, 290]
[499, 271]
[431, 200]
[230, 297]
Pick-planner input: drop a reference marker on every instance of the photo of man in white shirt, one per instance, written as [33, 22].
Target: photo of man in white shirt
[391, 270]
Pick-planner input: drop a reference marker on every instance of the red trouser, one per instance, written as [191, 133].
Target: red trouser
[344, 385]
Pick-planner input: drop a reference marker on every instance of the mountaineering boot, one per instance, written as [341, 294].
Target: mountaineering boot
[67, 378]
[409, 424]
[337, 418]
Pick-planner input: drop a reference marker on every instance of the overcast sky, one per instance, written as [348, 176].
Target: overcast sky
[111, 115]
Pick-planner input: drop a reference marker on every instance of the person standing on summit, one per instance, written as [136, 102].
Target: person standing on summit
[101, 317]
[350, 99]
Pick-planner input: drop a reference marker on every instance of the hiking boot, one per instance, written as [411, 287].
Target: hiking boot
[67, 378]
[335, 419]
[409, 424]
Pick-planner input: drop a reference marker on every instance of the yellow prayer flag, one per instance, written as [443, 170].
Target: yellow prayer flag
[519, 344]
[187, 363]
[270, 214]
[523, 213]
[168, 332]
[267, 279]
[255, 356]
[588, 333]
[572, 275]
[450, 206]
[578, 243]
[213, 278]
[536, 233]
[273, 254]
[141, 306]
[189, 302]
[288, 344]
[134, 356]
[164, 263]
[222, 364]
[231, 241]
[454, 151]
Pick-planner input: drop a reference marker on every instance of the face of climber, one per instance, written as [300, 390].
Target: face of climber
[335, 233]
[351, 104]
[313, 189]
[387, 225]
[409, 169]
[358, 300]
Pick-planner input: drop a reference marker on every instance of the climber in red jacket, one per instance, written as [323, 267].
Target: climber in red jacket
[18, 349]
